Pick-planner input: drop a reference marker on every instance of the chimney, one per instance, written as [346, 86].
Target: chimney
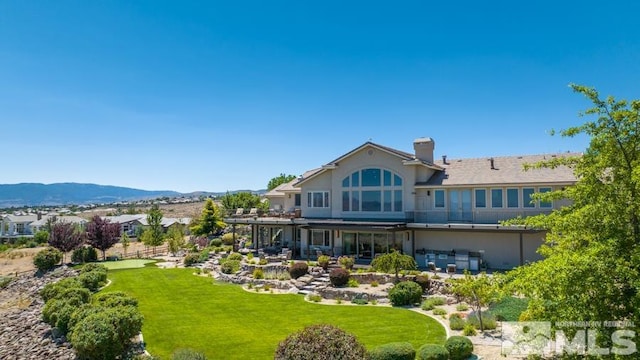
[444, 159]
[492, 164]
[424, 149]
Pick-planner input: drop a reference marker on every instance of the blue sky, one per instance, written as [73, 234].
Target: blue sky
[215, 96]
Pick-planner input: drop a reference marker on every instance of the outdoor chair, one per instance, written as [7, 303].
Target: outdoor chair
[239, 212]
[432, 267]
[253, 212]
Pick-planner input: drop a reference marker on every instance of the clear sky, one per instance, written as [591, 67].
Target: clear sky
[216, 96]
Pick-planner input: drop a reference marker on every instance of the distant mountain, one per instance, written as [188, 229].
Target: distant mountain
[33, 194]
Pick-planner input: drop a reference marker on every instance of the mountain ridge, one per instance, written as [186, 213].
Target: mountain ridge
[67, 193]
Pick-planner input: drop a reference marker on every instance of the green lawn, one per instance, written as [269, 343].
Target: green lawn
[182, 310]
[126, 264]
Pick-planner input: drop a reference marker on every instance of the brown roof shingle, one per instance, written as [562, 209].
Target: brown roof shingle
[507, 170]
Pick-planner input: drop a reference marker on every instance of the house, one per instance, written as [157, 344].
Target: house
[130, 224]
[42, 222]
[17, 225]
[448, 211]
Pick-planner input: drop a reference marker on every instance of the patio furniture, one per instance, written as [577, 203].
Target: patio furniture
[253, 212]
[451, 269]
[431, 266]
[239, 212]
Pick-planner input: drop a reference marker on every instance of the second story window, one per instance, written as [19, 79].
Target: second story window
[318, 199]
[438, 196]
[298, 200]
[496, 198]
[372, 190]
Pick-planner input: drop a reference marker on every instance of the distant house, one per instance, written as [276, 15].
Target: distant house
[130, 224]
[16, 225]
[447, 212]
[41, 223]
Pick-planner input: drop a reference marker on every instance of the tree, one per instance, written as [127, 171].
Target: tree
[278, 180]
[155, 232]
[47, 259]
[65, 237]
[125, 241]
[393, 262]
[591, 269]
[102, 234]
[478, 291]
[320, 341]
[175, 238]
[246, 200]
[210, 221]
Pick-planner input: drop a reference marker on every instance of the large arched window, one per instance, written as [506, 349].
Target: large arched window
[372, 190]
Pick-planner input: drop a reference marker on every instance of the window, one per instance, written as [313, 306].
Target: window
[545, 204]
[481, 198]
[320, 237]
[372, 190]
[439, 198]
[526, 197]
[298, 200]
[512, 198]
[318, 199]
[496, 198]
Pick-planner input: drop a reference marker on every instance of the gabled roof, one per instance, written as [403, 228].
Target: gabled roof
[277, 191]
[407, 159]
[21, 218]
[68, 219]
[121, 219]
[506, 170]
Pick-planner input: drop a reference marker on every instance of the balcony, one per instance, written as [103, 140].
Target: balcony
[471, 217]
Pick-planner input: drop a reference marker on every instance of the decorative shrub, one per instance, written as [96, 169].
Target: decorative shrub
[188, 354]
[55, 290]
[47, 259]
[314, 297]
[359, 301]
[203, 256]
[469, 330]
[198, 271]
[298, 269]
[4, 281]
[93, 267]
[456, 322]
[228, 238]
[432, 302]
[439, 311]
[93, 278]
[84, 254]
[250, 256]
[509, 308]
[323, 261]
[339, 277]
[191, 259]
[263, 262]
[320, 342]
[462, 307]
[234, 256]
[423, 281]
[217, 242]
[374, 283]
[115, 298]
[353, 283]
[346, 262]
[230, 266]
[258, 274]
[459, 347]
[405, 293]
[432, 352]
[488, 320]
[393, 351]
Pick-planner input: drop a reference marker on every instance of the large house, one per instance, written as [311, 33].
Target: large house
[446, 211]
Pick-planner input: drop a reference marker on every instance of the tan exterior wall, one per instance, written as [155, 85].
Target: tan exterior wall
[501, 250]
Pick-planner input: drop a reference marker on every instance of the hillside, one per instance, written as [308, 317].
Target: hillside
[34, 194]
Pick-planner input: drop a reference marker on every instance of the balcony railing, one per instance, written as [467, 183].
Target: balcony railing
[471, 217]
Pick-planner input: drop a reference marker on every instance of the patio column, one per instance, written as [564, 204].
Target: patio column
[521, 250]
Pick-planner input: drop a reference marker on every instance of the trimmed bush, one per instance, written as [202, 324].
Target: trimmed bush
[393, 351]
[347, 262]
[459, 347]
[432, 352]
[230, 266]
[191, 259]
[228, 238]
[203, 256]
[54, 290]
[258, 273]
[235, 256]
[439, 311]
[93, 267]
[57, 312]
[47, 259]
[469, 330]
[456, 322]
[217, 242]
[188, 354]
[405, 293]
[93, 280]
[423, 281]
[432, 302]
[116, 298]
[339, 277]
[323, 261]
[84, 254]
[298, 269]
[321, 342]
[353, 283]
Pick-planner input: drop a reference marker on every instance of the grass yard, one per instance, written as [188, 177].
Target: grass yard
[182, 310]
[126, 264]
